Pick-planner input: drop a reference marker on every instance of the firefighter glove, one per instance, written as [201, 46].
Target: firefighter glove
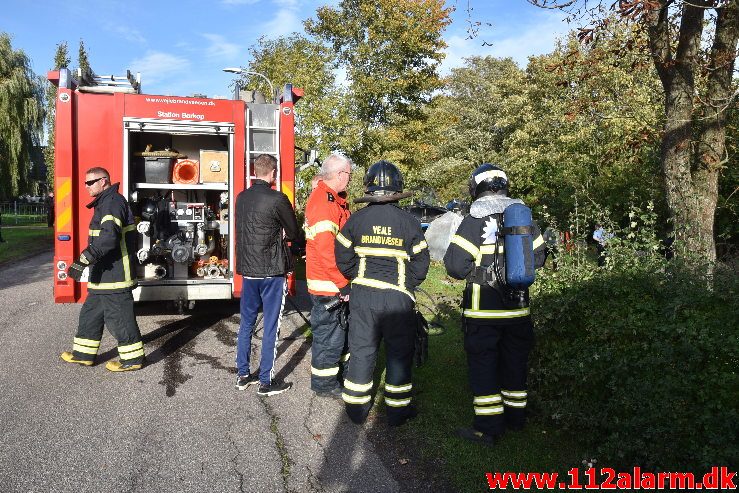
[77, 267]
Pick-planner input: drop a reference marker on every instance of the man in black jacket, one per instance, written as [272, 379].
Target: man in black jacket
[263, 258]
[108, 259]
[381, 248]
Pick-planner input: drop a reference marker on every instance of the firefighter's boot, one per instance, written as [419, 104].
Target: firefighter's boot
[69, 358]
[121, 366]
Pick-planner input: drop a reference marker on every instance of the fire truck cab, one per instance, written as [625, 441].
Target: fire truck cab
[180, 162]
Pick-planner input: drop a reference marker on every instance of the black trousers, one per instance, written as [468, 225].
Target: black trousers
[114, 311]
[497, 359]
[329, 347]
[375, 315]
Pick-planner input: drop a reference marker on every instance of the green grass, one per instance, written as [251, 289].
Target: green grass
[23, 242]
[445, 402]
[24, 220]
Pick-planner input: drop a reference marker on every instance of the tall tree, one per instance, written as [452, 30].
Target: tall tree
[21, 118]
[693, 47]
[82, 59]
[391, 50]
[61, 59]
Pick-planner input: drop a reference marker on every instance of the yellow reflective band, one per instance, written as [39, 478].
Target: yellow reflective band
[487, 399]
[475, 286]
[380, 252]
[110, 285]
[84, 349]
[362, 266]
[514, 403]
[346, 357]
[86, 342]
[539, 241]
[418, 248]
[522, 312]
[325, 286]
[124, 258]
[132, 355]
[93, 232]
[481, 411]
[350, 399]
[321, 227]
[490, 249]
[398, 388]
[465, 245]
[374, 283]
[401, 272]
[110, 217]
[130, 347]
[397, 402]
[328, 372]
[357, 387]
[514, 394]
[343, 240]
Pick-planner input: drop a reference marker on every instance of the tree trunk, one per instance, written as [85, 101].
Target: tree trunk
[691, 197]
[711, 155]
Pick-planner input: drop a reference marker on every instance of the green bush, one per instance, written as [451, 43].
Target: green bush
[640, 358]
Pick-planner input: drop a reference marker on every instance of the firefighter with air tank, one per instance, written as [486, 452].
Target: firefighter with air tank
[382, 249]
[496, 249]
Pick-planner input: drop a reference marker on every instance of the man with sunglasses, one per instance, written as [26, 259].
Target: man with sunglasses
[111, 279]
[326, 212]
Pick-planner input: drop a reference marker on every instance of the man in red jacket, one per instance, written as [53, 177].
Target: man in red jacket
[325, 214]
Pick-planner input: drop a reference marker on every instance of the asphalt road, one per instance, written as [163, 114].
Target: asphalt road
[177, 425]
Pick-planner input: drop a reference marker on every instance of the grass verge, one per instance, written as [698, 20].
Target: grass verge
[22, 242]
[445, 403]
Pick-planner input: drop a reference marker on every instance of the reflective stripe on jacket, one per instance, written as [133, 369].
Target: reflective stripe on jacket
[483, 303]
[383, 246]
[326, 212]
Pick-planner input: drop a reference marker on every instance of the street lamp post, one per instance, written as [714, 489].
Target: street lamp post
[239, 70]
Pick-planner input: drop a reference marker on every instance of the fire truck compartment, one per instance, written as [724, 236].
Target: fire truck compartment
[184, 229]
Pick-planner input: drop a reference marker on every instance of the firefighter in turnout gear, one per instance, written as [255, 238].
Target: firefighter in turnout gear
[383, 251]
[498, 332]
[326, 212]
[112, 277]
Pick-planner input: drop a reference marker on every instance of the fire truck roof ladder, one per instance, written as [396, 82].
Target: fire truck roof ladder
[90, 82]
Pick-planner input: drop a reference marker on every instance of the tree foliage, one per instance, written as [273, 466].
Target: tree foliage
[21, 118]
[82, 58]
[587, 122]
[391, 50]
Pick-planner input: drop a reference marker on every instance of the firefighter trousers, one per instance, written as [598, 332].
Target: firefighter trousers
[375, 315]
[328, 350]
[497, 359]
[114, 311]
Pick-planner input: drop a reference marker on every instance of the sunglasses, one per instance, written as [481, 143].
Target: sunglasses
[90, 183]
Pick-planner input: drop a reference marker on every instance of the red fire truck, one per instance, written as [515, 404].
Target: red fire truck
[180, 162]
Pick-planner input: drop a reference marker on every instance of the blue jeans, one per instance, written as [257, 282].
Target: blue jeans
[329, 344]
[269, 293]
